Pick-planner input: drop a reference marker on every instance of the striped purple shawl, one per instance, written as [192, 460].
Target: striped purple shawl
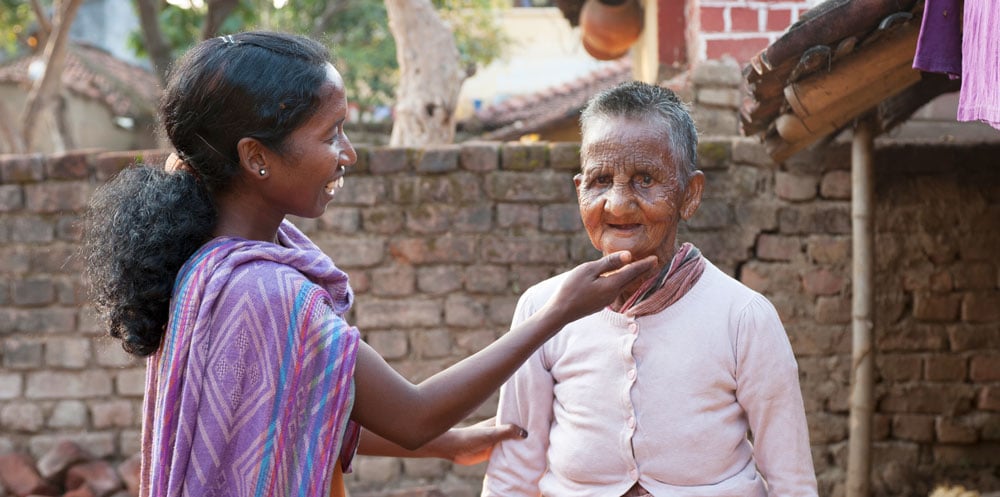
[251, 390]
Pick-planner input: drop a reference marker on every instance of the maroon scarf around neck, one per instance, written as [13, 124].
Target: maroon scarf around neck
[667, 287]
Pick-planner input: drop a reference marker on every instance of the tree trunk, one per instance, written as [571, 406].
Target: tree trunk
[430, 77]
[156, 46]
[47, 87]
[9, 135]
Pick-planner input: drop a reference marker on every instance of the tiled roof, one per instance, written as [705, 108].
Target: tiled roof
[92, 73]
[829, 51]
[525, 114]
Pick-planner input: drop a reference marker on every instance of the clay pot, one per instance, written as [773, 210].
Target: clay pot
[610, 27]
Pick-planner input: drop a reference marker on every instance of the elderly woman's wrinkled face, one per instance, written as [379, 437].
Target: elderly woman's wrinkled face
[630, 192]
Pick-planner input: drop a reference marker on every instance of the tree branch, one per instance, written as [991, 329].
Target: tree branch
[156, 46]
[322, 23]
[43, 91]
[218, 11]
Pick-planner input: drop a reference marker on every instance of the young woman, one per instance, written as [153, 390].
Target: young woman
[255, 383]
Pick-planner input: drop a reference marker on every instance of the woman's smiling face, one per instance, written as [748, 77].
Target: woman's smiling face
[630, 191]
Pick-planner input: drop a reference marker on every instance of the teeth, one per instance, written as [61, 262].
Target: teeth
[340, 182]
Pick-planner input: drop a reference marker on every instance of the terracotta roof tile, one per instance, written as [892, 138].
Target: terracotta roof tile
[830, 38]
[524, 114]
[127, 90]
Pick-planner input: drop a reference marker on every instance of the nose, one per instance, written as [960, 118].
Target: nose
[618, 200]
[348, 156]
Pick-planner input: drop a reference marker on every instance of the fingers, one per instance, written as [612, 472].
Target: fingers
[631, 271]
[612, 262]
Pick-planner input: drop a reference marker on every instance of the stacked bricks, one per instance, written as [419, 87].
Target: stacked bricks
[440, 242]
[741, 28]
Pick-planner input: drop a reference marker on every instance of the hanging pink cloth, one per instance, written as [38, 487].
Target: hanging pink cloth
[979, 98]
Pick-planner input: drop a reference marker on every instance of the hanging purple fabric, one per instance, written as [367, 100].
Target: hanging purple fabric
[939, 46]
[979, 99]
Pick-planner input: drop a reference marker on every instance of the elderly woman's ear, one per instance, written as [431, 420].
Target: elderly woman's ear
[692, 195]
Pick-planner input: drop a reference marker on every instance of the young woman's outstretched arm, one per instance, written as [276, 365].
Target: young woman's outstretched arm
[410, 415]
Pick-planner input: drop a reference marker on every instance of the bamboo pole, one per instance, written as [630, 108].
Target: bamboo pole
[862, 351]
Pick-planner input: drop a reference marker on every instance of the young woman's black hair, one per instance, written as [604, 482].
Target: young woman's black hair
[144, 224]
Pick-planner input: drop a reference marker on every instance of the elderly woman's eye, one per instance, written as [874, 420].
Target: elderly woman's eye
[604, 179]
[644, 179]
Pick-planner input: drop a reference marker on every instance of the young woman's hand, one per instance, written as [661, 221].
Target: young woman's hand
[466, 446]
[593, 285]
[473, 444]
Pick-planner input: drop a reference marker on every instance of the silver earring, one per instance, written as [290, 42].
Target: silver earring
[262, 171]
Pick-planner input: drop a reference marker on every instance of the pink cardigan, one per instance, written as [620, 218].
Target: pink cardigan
[665, 400]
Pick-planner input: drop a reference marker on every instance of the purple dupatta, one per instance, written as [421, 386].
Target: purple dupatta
[251, 390]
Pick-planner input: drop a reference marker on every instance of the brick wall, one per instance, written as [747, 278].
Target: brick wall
[440, 242]
[741, 28]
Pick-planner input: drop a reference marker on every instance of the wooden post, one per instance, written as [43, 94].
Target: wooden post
[862, 350]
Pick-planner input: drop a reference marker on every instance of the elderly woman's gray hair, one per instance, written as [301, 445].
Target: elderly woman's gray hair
[660, 107]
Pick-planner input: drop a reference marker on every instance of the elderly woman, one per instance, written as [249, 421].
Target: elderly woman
[686, 385]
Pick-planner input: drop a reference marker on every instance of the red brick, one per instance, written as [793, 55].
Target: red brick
[518, 215]
[536, 249]
[744, 19]
[989, 398]
[129, 472]
[829, 250]
[515, 156]
[981, 307]
[899, 367]
[973, 337]
[33, 292]
[439, 280]
[383, 219]
[534, 186]
[778, 248]
[438, 159]
[21, 168]
[833, 310]
[984, 368]
[951, 430]
[394, 280]
[19, 477]
[486, 279]
[911, 337]
[932, 307]
[480, 156]
[385, 160]
[836, 185]
[83, 491]
[823, 282]
[473, 219]
[112, 414]
[913, 427]
[778, 19]
[70, 165]
[463, 311]
[566, 156]
[713, 19]
[562, 218]
[941, 282]
[742, 49]
[445, 249]
[99, 476]
[950, 367]
[974, 276]
[391, 345]
[927, 398]
[794, 187]
[56, 196]
[11, 198]
[56, 462]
